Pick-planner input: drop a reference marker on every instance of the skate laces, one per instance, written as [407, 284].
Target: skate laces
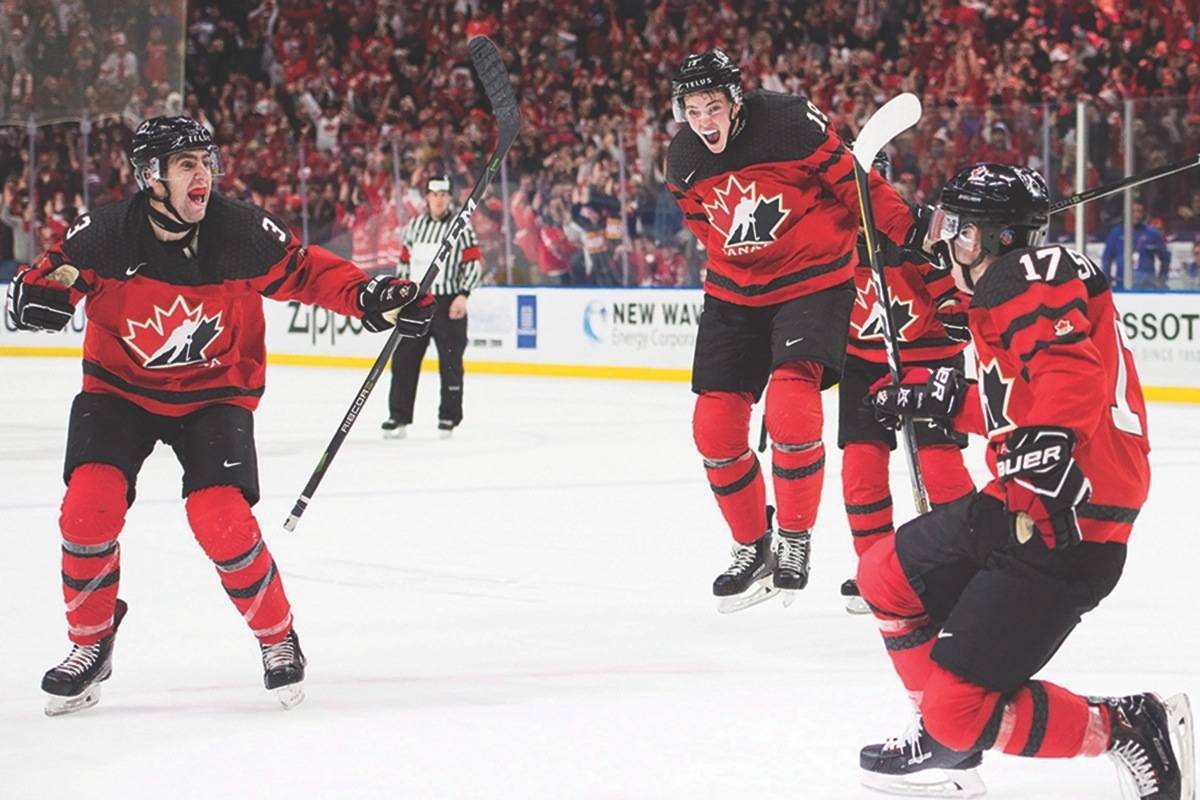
[1133, 756]
[79, 660]
[280, 654]
[744, 556]
[792, 552]
[910, 740]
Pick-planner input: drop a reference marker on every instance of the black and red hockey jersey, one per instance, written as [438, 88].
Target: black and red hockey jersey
[174, 327]
[916, 288]
[1050, 352]
[777, 210]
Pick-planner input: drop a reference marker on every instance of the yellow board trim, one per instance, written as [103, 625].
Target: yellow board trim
[1159, 394]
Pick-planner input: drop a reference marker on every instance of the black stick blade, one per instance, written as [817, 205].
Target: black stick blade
[494, 77]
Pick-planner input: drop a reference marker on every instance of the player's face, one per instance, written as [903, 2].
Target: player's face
[965, 249]
[438, 202]
[710, 116]
[188, 180]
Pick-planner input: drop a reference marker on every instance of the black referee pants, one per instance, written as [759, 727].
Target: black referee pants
[450, 338]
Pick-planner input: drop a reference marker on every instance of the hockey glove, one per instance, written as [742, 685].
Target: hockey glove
[1042, 480]
[416, 317]
[381, 299]
[934, 396]
[952, 313]
[917, 235]
[40, 300]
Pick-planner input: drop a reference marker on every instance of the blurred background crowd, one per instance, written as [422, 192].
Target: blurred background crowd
[330, 113]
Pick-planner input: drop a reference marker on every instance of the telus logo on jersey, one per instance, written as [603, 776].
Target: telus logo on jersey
[176, 337]
[746, 219]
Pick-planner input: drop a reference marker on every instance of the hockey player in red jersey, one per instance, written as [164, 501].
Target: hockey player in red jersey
[974, 598]
[932, 332]
[173, 351]
[768, 190]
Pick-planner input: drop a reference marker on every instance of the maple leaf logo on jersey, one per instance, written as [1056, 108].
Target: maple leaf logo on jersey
[996, 390]
[873, 326]
[175, 337]
[745, 218]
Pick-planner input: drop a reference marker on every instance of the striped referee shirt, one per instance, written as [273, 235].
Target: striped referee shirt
[422, 238]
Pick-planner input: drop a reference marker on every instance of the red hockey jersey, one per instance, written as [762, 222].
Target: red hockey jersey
[777, 210]
[916, 287]
[1050, 352]
[174, 327]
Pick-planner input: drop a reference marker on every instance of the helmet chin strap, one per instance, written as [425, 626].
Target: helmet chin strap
[171, 224]
[945, 253]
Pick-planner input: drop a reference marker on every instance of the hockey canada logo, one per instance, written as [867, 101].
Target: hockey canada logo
[175, 337]
[745, 218]
[994, 397]
[873, 326]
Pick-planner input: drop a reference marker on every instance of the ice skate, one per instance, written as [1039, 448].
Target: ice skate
[747, 581]
[75, 683]
[1152, 746]
[445, 428]
[792, 554]
[854, 602]
[394, 429]
[283, 669]
[915, 765]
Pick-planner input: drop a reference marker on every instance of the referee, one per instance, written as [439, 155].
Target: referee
[453, 285]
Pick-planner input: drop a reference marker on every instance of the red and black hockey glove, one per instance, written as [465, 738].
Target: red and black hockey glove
[952, 313]
[40, 299]
[934, 396]
[416, 317]
[1042, 480]
[381, 300]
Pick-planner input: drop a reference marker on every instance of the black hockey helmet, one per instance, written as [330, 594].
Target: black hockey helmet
[158, 137]
[1010, 207]
[705, 72]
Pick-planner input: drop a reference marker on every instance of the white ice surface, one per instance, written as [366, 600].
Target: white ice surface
[523, 611]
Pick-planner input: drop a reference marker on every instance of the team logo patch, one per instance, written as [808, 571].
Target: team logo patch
[1063, 327]
[175, 337]
[746, 219]
[873, 326]
[995, 394]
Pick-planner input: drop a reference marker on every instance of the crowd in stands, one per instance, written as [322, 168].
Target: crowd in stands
[331, 112]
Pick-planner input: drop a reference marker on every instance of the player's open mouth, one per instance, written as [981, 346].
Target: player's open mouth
[198, 196]
[712, 137]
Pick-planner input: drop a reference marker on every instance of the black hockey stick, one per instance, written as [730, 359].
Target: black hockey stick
[896, 116]
[494, 77]
[1127, 183]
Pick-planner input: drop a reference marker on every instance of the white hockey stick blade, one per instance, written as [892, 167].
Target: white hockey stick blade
[894, 118]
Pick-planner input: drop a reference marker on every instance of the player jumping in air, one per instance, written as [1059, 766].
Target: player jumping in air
[974, 598]
[768, 189]
[173, 351]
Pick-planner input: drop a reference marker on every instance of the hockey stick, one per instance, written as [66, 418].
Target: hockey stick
[494, 77]
[1126, 183]
[896, 116]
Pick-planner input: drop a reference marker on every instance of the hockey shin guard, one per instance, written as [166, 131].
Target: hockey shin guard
[721, 429]
[908, 632]
[93, 513]
[866, 492]
[224, 526]
[794, 417]
[946, 477]
[1040, 720]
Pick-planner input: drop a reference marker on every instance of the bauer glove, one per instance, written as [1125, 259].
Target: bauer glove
[1043, 483]
[933, 396]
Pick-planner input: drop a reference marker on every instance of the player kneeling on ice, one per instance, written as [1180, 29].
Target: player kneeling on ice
[974, 598]
[174, 351]
[767, 186]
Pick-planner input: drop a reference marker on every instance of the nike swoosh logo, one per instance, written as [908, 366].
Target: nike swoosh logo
[228, 464]
[791, 342]
[131, 271]
[688, 178]
[944, 634]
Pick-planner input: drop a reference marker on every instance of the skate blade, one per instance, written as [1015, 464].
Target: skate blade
[759, 593]
[856, 605]
[931, 783]
[443, 435]
[789, 596]
[291, 695]
[1179, 717]
[57, 706]
[396, 434]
